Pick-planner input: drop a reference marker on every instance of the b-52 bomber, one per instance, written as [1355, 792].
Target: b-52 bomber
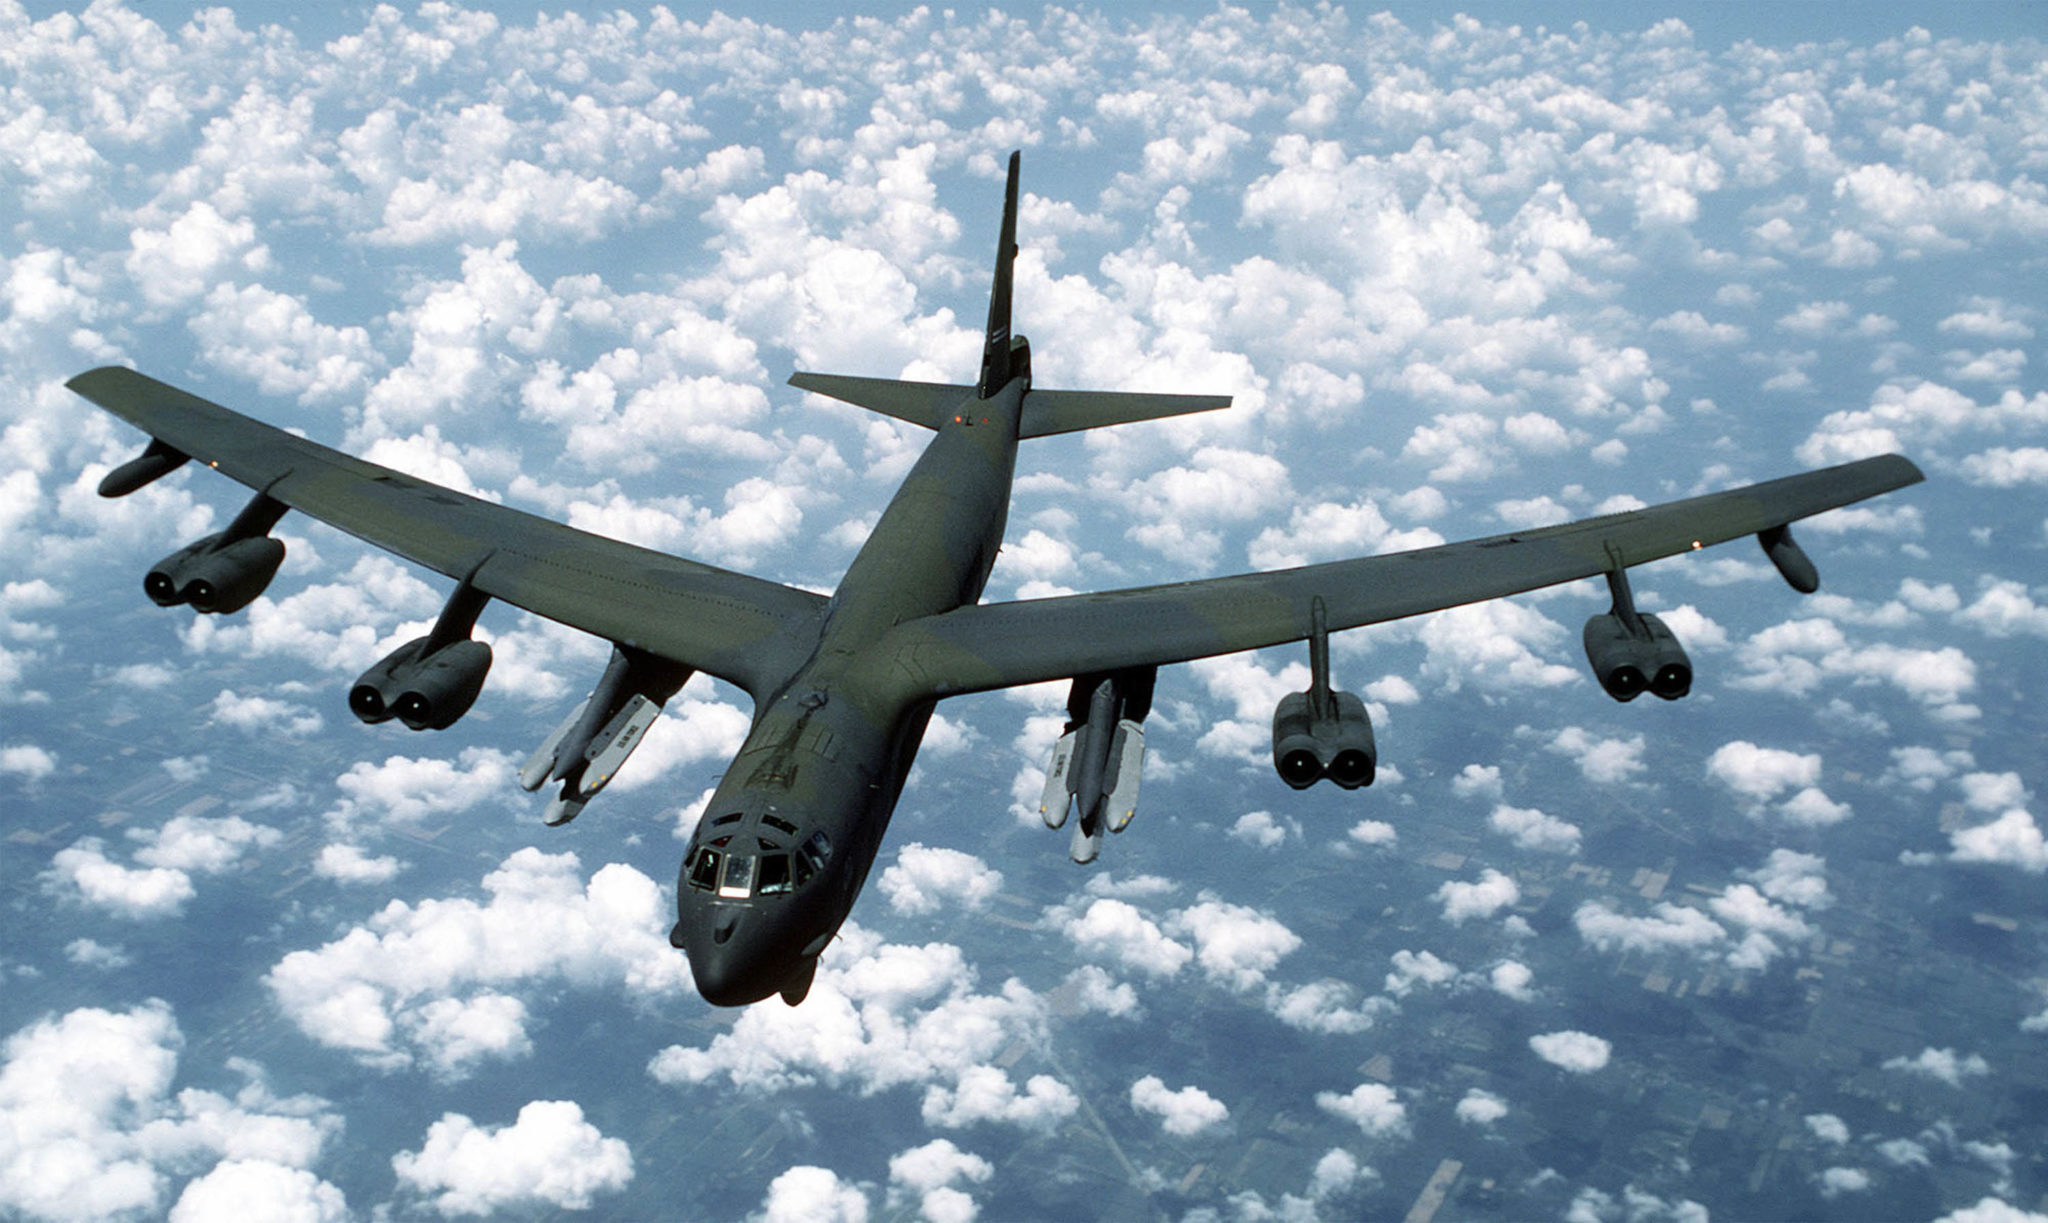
[843, 685]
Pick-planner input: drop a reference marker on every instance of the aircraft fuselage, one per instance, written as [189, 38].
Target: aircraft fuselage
[782, 849]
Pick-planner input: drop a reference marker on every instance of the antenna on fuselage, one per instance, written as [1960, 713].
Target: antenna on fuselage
[997, 363]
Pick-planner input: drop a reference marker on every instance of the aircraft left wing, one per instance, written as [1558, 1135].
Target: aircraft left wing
[714, 620]
[1000, 645]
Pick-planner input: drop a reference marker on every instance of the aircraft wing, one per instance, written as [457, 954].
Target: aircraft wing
[710, 619]
[1001, 645]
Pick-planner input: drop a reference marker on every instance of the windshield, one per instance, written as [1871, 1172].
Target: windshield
[739, 877]
[730, 866]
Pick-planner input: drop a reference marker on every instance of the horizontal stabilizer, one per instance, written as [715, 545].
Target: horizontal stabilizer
[1045, 413]
[1050, 412]
[920, 403]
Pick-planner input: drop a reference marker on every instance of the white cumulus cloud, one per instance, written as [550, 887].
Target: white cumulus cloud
[924, 877]
[1577, 1052]
[548, 1156]
[1372, 1107]
[1185, 1112]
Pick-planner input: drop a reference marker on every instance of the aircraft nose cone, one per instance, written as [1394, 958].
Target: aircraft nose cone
[725, 980]
[720, 961]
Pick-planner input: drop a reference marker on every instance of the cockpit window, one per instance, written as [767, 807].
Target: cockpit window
[736, 874]
[704, 871]
[738, 882]
[784, 825]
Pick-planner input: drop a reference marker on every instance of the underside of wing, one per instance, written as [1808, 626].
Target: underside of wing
[727, 624]
[1006, 644]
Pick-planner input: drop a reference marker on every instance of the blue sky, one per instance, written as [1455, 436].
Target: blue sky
[1777, 943]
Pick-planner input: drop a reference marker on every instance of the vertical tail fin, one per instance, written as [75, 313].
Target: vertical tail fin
[997, 367]
[1005, 358]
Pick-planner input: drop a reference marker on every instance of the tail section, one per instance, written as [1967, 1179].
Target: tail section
[998, 364]
[920, 403]
[1004, 359]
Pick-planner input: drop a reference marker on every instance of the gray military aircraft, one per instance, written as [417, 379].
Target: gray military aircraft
[843, 686]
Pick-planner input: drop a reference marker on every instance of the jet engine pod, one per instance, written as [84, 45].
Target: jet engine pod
[225, 571]
[1338, 744]
[1357, 757]
[166, 580]
[213, 576]
[425, 691]
[228, 579]
[1627, 664]
[1295, 754]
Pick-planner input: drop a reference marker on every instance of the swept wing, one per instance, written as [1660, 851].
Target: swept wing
[727, 624]
[1000, 645]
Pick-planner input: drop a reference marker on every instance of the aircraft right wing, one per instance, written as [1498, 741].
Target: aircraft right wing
[1001, 645]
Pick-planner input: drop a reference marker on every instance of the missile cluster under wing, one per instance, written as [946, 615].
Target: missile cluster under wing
[1098, 758]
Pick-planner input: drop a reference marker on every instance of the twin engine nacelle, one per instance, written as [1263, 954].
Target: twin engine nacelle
[1334, 740]
[217, 575]
[1629, 660]
[425, 690]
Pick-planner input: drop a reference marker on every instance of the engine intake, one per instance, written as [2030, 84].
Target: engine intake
[229, 579]
[429, 682]
[1634, 652]
[226, 571]
[1332, 738]
[426, 691]
[1629, 663]
[1323, 732]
